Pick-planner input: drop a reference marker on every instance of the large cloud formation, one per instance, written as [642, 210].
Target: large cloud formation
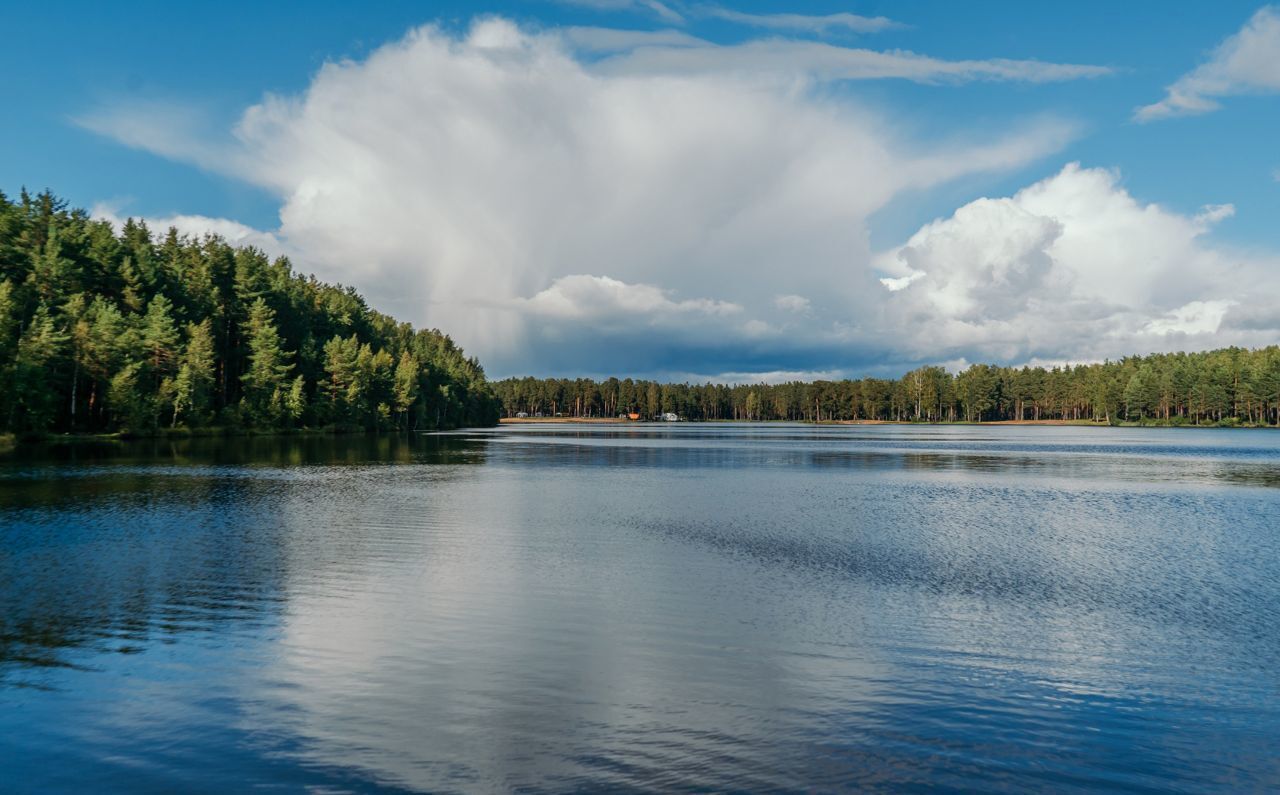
[1073, 267]
[596, 201]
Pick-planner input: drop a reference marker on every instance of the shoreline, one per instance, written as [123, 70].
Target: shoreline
[13, 441]
[573, 421]
[1045, 423]
[10, 442]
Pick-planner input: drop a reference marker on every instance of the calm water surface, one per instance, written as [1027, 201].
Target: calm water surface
[693, 607]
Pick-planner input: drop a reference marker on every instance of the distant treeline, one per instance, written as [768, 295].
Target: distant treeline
[102, 331]
[1229, 386]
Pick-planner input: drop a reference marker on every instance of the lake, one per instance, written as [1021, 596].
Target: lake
[645, 607]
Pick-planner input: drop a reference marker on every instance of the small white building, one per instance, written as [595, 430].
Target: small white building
[670, 416]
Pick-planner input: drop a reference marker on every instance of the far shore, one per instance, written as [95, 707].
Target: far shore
[621, 421]
[1076, 423]
[575, 420]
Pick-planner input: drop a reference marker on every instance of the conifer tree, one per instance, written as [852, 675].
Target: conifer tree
[264, 381]
[295, 401]
[193, 386]
[341, 377]
[35, 366]
[406, 387]
[52, 275]
[159, 337]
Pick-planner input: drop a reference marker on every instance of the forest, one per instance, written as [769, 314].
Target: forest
[1232, 386]
[103, 331]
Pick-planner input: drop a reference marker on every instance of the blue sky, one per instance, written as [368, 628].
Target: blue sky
[79, 71]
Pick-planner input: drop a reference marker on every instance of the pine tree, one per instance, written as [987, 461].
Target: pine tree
[406, 387]
[342, 386]
[193, 386]
[76, 311]
[133, 292]
[132, 407]
[34, 400]
[264, 382]
[9, 324]
[295, 401]
[103, 351]
[52, 275]
[159, 337]
[9, 320]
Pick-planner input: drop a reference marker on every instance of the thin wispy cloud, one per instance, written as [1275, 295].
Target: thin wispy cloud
[823, 61]
[661, 10]
[674, 52]
[614, 40]
[1247, 62]
[678, 13]
[801, 23]
[176, 129]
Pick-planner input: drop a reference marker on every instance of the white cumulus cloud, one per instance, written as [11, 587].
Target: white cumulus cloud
[1195, 317]
[197, 226]
[1074, 267]
[582, 296]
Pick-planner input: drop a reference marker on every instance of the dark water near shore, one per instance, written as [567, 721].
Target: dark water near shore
[693, 607]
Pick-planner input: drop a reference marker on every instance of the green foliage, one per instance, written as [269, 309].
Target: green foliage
[107, 332]
[194, 386]
[264, 382]
[407, 386]
[159, 336]
[295, 400]
[1232, 386]
[132, 407]
[9, 320]
[34, 373]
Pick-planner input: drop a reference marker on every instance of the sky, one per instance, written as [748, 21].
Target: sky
[694, 190]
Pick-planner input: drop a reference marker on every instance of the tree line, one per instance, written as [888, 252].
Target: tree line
[1232, 386]
[106, 331]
